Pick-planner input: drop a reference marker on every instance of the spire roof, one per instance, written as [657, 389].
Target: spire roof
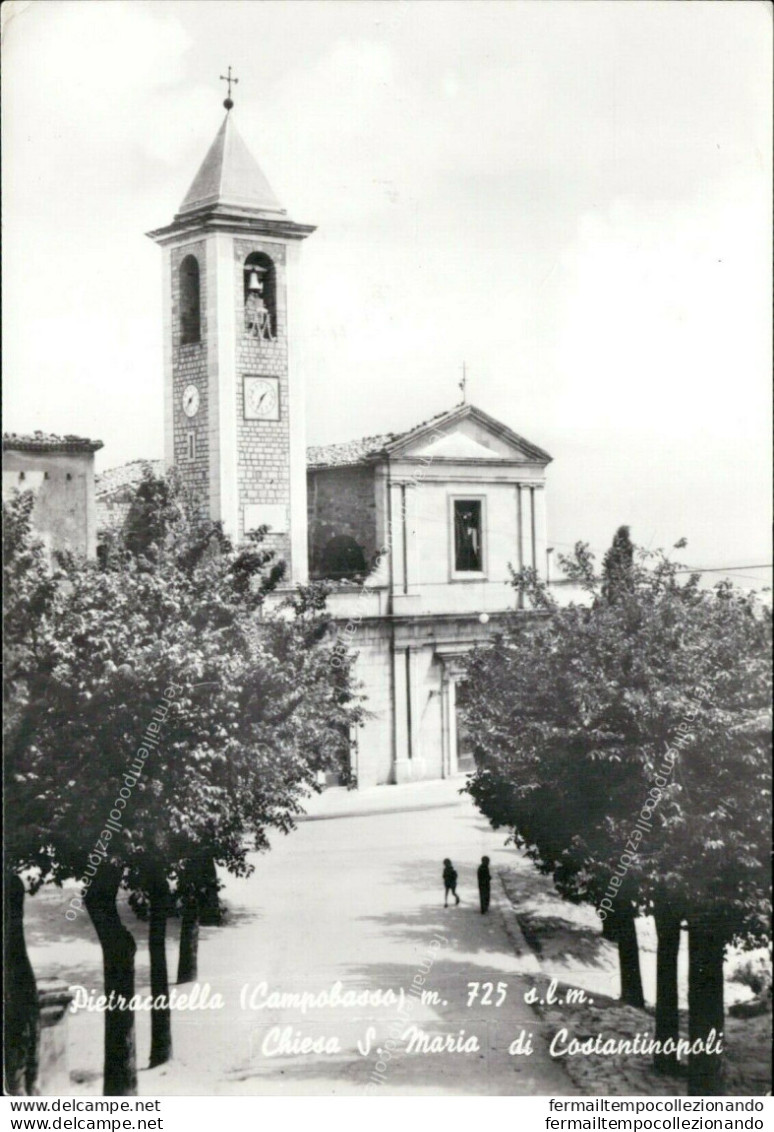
[230, 176]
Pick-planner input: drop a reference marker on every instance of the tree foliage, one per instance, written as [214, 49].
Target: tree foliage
[257, 707]
[652, 697]
[578, 710]
[171, 674]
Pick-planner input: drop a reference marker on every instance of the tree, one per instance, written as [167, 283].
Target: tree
[28, 596]
[21, 1011]
[548, 764]
[618, 567]
[174, 695]
[652, 698]
[714, 860]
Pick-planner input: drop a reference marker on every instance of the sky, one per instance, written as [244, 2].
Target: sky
[573, 199]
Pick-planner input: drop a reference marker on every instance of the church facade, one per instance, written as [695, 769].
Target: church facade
[415, 531]
[433, 518]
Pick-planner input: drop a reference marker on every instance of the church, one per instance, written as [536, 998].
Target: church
[416, 531]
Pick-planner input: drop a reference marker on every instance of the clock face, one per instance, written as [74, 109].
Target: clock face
[190, 400]
[261, 398]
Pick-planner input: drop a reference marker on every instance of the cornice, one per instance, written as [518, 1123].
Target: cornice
[220, 220]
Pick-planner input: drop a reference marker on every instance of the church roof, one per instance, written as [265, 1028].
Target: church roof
[115, 489]
[125, 475]
[230, 175]
[364, 450]
[48, 442]
[348, 452]
[371, 448]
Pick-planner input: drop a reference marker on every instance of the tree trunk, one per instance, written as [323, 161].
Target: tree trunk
[188, 957]
[206, 879]
[22, 1012]
[667, 1016]
[706, 945]
[628, 956]
[199, 886]
[608, 930]
[118, 948]
[161, 1018]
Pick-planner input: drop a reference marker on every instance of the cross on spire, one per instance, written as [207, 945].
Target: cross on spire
[227, 102]
[464, 383]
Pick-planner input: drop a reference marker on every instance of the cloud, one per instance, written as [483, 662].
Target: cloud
[543, 190]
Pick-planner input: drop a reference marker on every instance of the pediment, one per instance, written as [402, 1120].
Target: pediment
[456, 445]
[467, 434]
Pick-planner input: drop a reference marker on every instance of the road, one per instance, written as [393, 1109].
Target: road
[355, 900]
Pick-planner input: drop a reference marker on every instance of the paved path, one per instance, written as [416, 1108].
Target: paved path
[355, 899]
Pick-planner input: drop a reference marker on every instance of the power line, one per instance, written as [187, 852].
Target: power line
[442, 521]
[722, 569]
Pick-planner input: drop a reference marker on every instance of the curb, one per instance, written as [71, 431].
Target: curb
[528, 963]
[367, 813]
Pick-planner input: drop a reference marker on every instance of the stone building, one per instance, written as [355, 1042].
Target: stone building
[59, 470]
[416, 530]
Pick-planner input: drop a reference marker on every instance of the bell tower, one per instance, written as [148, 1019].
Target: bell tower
[233, 399]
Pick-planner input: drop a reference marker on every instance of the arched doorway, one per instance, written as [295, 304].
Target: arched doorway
[342, 557]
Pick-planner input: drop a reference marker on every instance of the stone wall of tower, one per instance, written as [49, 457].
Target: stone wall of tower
[263, 468]
[189, 367]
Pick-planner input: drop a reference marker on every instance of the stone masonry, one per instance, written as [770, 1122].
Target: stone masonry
[189, 366]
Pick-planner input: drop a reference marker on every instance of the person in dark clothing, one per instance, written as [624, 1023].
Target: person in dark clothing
[484, 884]
[449, 882]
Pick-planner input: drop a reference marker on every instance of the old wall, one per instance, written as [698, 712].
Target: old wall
[63, 485]
[341, 504]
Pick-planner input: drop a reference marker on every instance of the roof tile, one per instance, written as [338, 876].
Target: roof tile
[125, 475]
[48, 442]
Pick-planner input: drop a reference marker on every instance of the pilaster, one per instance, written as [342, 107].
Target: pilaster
[296, 410]
[221, 373]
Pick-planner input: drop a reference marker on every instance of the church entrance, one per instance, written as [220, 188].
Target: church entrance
[328, 778]
[465, 760]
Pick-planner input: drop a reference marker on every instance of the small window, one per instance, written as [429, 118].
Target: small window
[468, 544]
[22, 476]
[190, 320]
[191, 445]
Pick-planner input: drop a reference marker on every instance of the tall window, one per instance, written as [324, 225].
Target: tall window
[260, 291]
[190, 320]
[468, 547]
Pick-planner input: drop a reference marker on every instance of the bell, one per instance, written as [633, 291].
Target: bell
[254, 284]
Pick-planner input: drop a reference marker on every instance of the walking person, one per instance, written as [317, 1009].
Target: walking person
[484, 884]
[449, 882]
